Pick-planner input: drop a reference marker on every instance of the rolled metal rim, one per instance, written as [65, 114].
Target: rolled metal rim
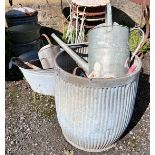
[39, 72]
[45, 47]
[106, 26]
[98, 82]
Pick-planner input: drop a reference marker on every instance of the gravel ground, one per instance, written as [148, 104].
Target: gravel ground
[32, 127]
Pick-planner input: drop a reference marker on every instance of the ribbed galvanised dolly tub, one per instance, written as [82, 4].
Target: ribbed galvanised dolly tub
[93, 113]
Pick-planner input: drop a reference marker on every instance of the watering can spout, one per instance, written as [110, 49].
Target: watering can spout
[81, 62]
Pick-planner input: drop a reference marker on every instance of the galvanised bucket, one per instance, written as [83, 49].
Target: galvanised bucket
[93, 113]
[47, 54]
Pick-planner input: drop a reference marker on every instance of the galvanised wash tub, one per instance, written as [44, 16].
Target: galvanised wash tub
[41, 81]
[93, 113]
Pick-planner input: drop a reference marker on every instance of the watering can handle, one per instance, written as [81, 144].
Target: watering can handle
[47, 38]
[139, 45]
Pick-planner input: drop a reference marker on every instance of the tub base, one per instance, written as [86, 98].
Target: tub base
[89, 150]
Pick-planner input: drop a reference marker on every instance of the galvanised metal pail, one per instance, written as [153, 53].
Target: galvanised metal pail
[93, 113]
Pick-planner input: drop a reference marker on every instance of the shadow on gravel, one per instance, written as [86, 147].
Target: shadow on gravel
[141, 103]
[14, 74]
[117, 16]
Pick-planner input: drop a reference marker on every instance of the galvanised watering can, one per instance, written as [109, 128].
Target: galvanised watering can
[108, 46]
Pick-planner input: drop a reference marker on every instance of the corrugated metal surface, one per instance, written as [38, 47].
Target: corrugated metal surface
[92, 118]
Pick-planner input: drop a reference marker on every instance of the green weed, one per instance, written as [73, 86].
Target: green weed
[134, 40]
[44, 105]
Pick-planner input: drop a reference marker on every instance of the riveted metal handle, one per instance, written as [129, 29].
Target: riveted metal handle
[47, 38]
[139, 45]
